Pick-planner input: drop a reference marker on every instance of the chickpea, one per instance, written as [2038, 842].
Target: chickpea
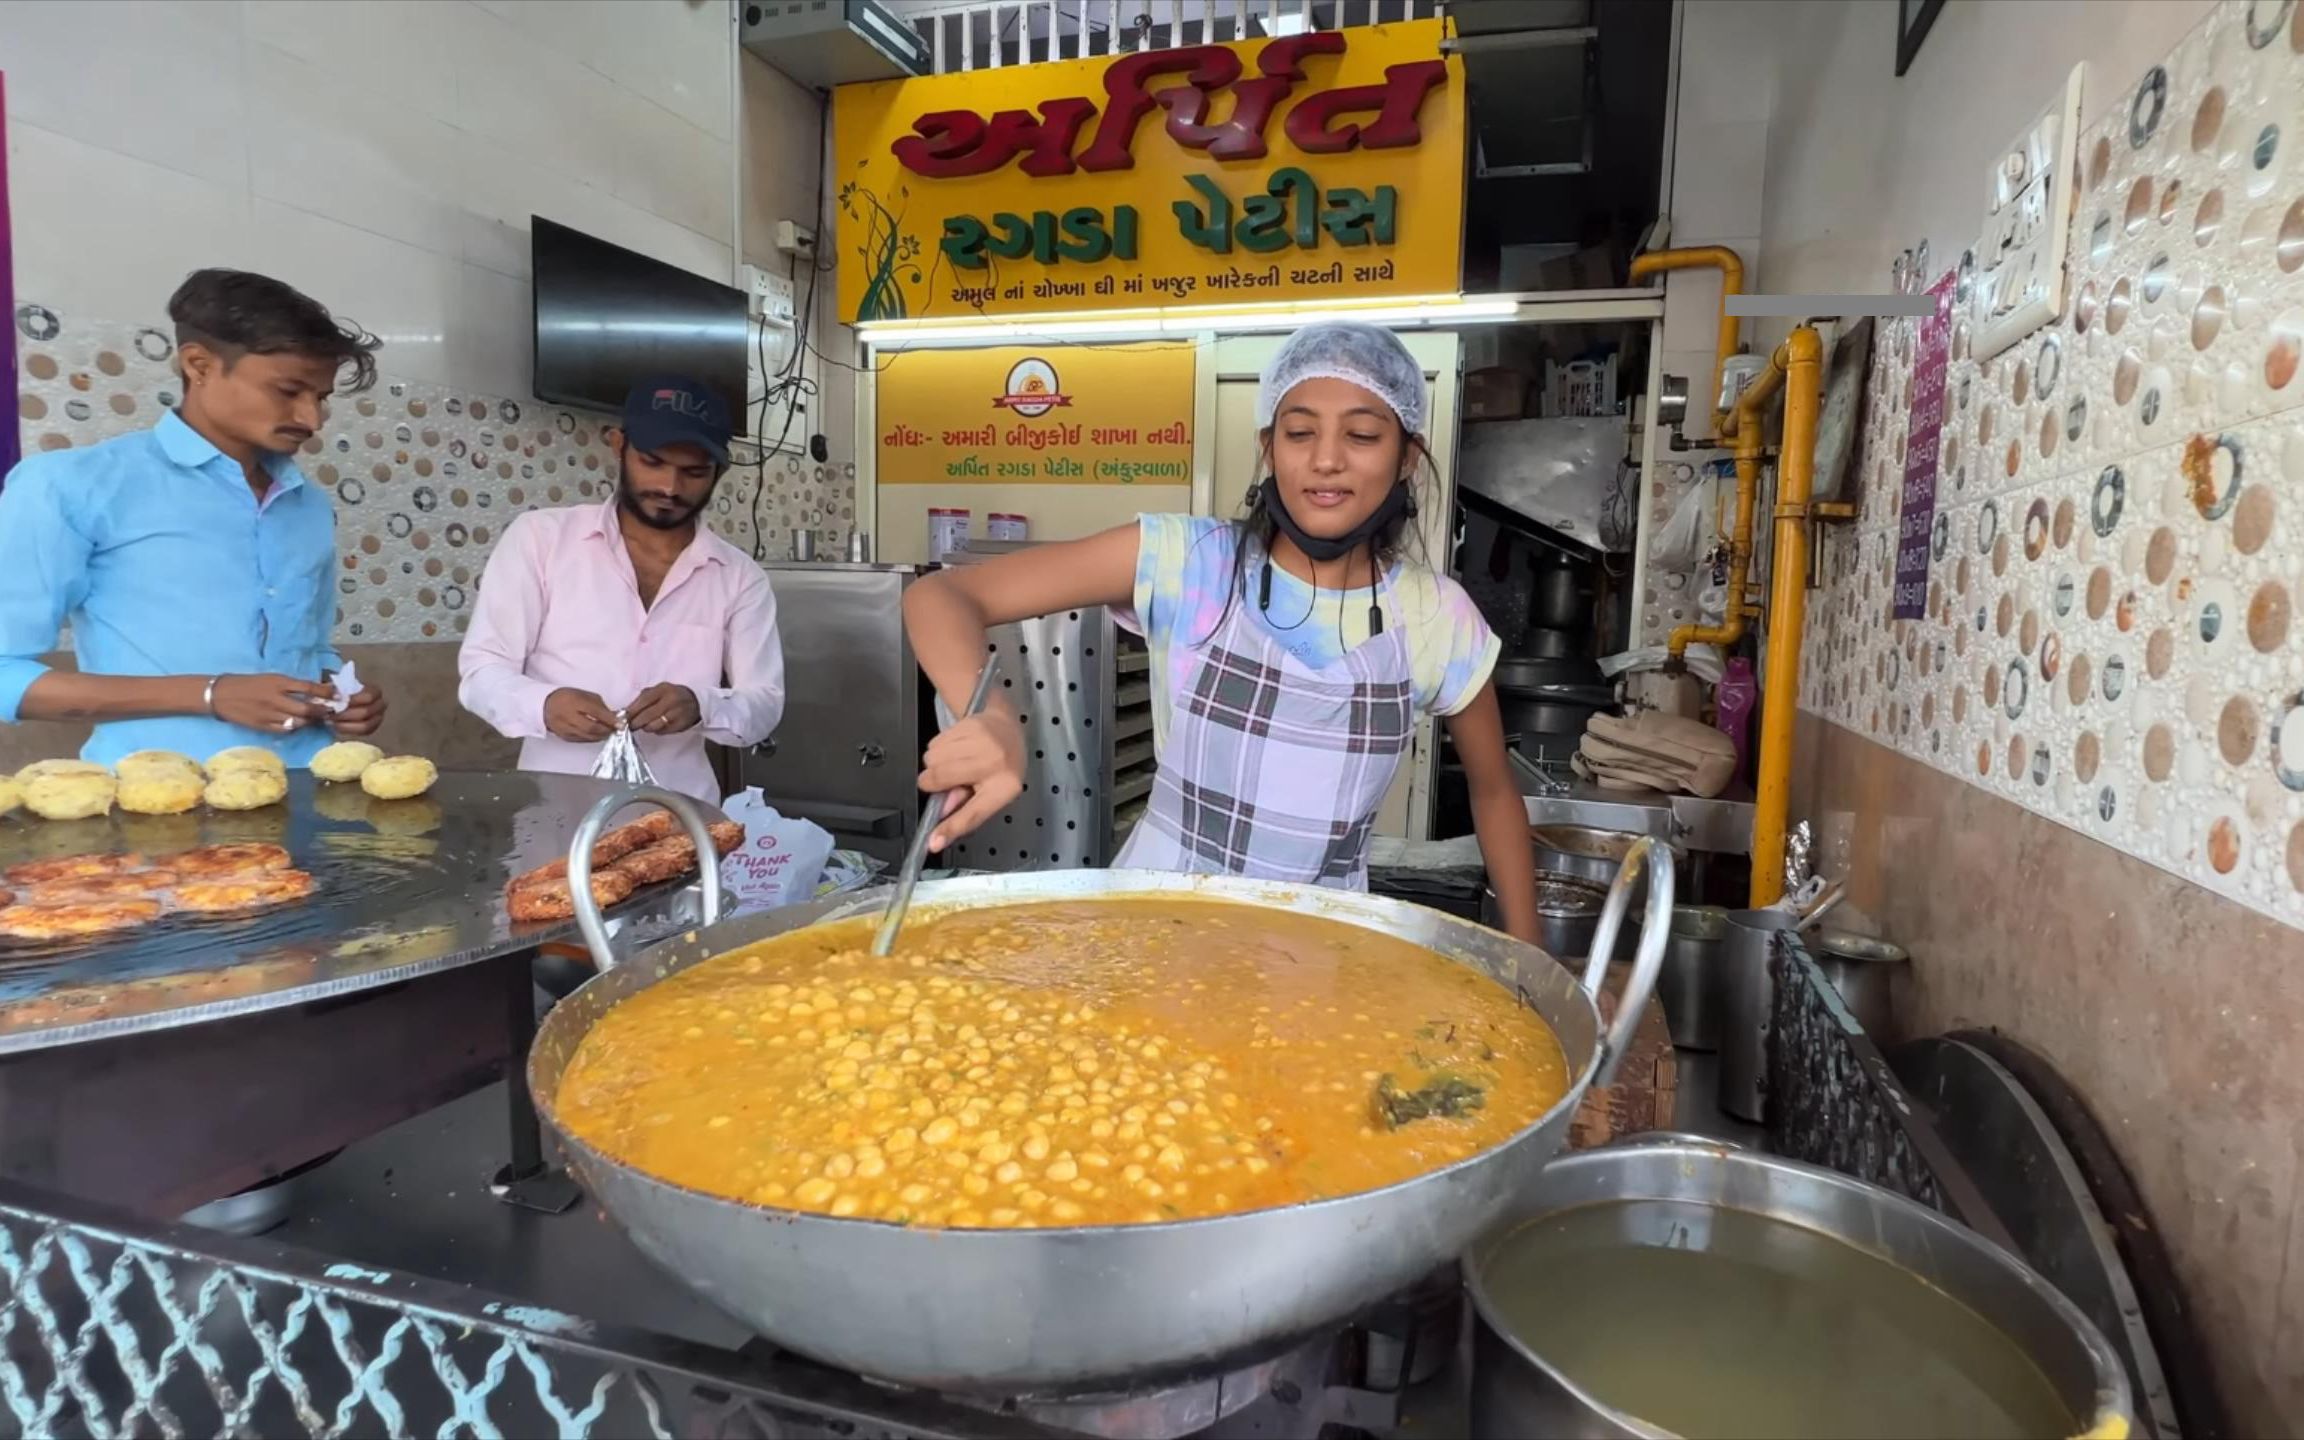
[1035, 1147]
[814, 1193]
[1064, 1169]
[913, 1194]
[840, 1167]
[845, 1206]
[1008, 1173]
[975, 1184]
[941, 1130]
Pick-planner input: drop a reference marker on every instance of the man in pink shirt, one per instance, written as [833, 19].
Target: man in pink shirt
[633, 606]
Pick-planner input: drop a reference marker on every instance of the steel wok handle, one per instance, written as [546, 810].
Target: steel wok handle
[1647, 962]
[588, 920]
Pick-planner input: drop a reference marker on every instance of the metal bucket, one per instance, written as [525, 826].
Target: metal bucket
[1689, 984]
[1746, 991]
[1517, 1391]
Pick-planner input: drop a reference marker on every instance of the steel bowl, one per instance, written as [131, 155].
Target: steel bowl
[1067, 1311]
[1517, 1391]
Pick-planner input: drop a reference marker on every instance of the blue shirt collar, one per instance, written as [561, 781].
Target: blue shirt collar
[187, 447]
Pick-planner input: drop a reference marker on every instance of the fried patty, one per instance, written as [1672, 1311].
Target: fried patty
[654, 864]
[249, 890]
[72, 867]
[66, 922]
[212, 861]
[551, 899]
[127, 885]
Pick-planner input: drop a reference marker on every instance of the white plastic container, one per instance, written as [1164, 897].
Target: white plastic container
[947, 533]
[1007, 527]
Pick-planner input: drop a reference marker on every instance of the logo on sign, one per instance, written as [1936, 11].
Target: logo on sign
[1032, 389]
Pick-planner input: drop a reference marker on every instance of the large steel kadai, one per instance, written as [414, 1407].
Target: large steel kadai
[1069, 1311]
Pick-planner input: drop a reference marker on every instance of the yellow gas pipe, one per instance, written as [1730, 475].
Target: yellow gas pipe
[1802, 358]
[1731, 268]
[1745, 424]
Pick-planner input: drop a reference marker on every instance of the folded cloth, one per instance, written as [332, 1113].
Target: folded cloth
[1616, 777]
[1603, 752]
[1702, 753]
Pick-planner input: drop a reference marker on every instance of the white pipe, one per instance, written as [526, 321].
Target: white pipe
[736, 144]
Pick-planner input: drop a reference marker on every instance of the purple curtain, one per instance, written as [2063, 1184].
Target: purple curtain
[9, 435]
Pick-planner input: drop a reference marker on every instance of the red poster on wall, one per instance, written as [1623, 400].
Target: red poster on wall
[1923, 449]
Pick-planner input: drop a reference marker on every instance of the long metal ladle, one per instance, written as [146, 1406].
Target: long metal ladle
[917, 854]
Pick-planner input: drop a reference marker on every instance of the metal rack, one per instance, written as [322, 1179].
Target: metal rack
[109, 1326]
[1059, 674]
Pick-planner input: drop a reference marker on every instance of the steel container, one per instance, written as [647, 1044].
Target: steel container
[1068, 1311]
[1863, 970]
[1516, 1391]
[1689, 983]
[1746, 990]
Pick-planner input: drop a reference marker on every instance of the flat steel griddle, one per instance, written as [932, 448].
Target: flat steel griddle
[404, 888]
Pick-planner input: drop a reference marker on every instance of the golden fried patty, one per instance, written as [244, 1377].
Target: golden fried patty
[553, 900]
[654, 864]
[127, 885]
[65, 922]
[72, 867]
[212, 861]
[249, 890]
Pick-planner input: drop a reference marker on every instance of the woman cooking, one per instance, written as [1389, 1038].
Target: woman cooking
[1291, 649]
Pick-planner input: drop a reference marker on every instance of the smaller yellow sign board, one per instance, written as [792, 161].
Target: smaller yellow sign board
[1020, 415]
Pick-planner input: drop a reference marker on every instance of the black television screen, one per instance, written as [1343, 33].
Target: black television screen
[606, 316]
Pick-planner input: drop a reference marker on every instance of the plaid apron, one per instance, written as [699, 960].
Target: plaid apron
[1274, 769]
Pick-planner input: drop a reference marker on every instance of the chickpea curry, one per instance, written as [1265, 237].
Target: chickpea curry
[1114, 1062]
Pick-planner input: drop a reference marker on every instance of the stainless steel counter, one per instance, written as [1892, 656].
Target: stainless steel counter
[404, 888]
[1720, 826]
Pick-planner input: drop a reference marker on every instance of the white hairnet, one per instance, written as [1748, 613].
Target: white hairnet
[1367, 355]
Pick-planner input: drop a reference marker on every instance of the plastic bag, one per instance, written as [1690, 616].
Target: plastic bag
[780, 860]
[1703, 661]
[620, 759]
[1683, 539]
[347, 684]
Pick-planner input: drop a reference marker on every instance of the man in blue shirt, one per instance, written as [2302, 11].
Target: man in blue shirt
[194, 561]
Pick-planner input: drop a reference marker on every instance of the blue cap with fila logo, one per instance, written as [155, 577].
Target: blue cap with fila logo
[665, 410]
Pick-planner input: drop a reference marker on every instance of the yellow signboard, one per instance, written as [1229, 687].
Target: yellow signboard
[1328, 165]
[1061, 415]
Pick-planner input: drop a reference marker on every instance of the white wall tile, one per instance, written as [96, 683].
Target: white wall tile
[674, 52]
[491, 345]
[668, 167]
[539, 103]
[351, 154]
[159, 80]
[409, 297]
[99, 232]
[501, 192]
[1717, 181]
[401, 44]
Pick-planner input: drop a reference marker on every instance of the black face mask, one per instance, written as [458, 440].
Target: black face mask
[1399, 505]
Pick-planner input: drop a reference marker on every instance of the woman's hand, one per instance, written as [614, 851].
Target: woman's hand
[978, 765]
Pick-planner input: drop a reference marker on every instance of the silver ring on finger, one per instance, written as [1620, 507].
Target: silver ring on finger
[287, 722]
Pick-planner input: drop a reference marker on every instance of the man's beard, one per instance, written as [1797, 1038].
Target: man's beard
[630, 504]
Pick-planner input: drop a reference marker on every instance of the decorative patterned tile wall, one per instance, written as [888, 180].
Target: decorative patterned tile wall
[424, 478]
[2113, 636]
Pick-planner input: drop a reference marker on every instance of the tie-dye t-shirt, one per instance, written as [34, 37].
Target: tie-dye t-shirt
[1184, 568]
